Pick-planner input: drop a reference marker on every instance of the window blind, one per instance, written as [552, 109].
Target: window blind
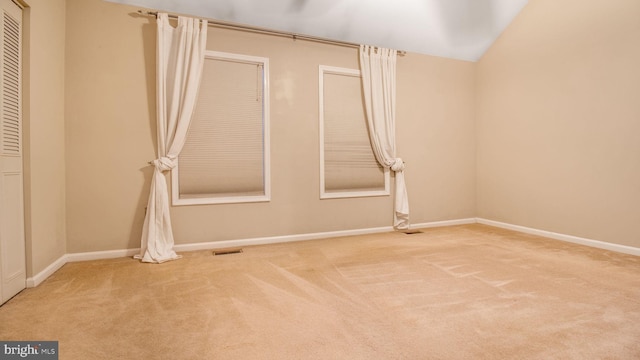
[224, 151]
[349, 162]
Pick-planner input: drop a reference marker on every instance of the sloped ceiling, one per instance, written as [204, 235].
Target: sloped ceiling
[459, 29]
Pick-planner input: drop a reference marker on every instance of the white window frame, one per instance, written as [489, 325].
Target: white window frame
[324, 69]
[217, 55]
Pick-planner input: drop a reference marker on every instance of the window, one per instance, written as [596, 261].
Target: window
[225, 158]
[348, 167]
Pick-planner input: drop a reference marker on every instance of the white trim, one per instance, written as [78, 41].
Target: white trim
[48, 271]
[279, 239]
[101, 255]
[177, 200]
[76, 257]
[563, 237]
[311, 236]
[324, 194]
[444, 223]
[210, 200]
[111, 254]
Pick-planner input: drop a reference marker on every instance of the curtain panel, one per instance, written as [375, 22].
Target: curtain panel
[179, 63]
[378, 70]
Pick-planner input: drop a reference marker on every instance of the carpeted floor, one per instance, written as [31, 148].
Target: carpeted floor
[463, 292]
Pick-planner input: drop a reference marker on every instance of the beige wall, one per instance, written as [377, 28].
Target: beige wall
[109, 85]
[558, 121]
[44, 74]
[436, 136]
[110, 114]
[547, 121]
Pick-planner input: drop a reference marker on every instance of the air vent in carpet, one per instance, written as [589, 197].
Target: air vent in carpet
[227, 251]
[411, 232]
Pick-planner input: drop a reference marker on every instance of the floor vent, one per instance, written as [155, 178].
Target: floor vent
[411, 232]
[228, 251]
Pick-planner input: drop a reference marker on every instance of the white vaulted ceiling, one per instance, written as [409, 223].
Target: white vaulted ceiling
[459, 29]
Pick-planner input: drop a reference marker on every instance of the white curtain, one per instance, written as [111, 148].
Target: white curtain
[378, 69]
[179, 63]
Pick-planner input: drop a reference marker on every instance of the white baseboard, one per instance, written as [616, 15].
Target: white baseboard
[310, 236]
[48, 271]
[562, 237]
[277, 239]
[444, 223]
[99, 255]
[75, 257]
[111, 254]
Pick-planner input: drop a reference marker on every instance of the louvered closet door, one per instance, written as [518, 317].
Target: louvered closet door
[12, 242]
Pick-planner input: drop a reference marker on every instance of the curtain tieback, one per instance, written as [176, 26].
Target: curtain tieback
[164, 163]
[398, 165]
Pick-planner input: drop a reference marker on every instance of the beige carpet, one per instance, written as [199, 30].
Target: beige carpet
[464, 292]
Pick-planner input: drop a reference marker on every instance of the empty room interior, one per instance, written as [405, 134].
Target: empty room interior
[518, 130]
